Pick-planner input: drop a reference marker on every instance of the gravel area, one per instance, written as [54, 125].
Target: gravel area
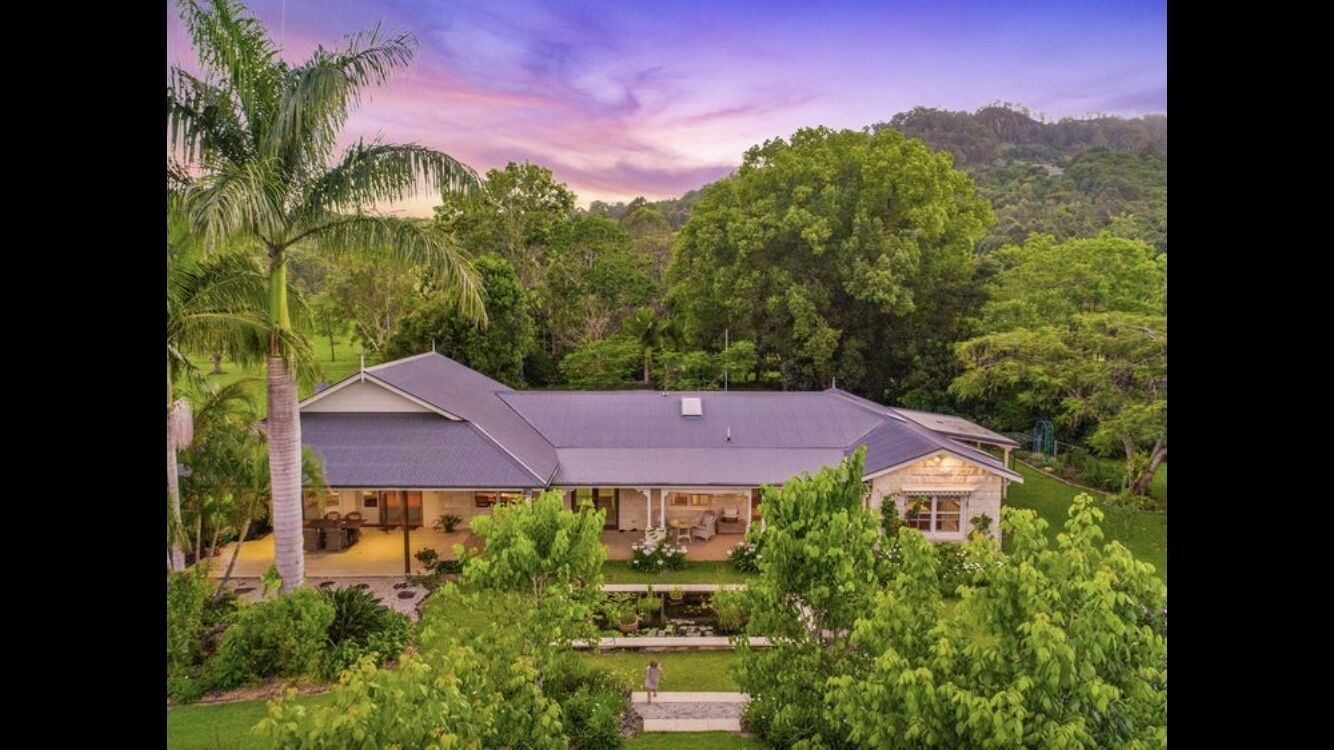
[657, 710]
[391, 591]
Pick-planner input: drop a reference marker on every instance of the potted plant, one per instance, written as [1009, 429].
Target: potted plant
[677, 594]
[427, 557]
[447, 523]
[629, 621]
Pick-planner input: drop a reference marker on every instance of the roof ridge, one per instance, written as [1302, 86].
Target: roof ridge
[508, 452]
[400, 360]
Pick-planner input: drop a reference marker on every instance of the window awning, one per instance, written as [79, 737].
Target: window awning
[939, 493]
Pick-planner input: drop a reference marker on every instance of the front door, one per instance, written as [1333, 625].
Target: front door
[602, 498]
[391, 508]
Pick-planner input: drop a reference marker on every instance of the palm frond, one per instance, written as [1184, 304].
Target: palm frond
[237, 198]
[375, 172]
[418, 242]
[234, 47]
[202, 121]
[318, 95]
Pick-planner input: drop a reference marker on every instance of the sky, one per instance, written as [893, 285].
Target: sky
[631, 98]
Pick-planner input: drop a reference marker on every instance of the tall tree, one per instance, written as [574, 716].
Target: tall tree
[818, 575]
[831, 250]
[215, 302]
[262, 133]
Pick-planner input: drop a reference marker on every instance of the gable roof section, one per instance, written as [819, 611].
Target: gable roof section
[462, 391]
[407, 450]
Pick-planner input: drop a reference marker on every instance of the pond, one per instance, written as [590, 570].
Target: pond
[692, 615]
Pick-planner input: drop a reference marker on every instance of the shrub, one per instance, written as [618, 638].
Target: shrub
[446, 567]
[592, 720]
[745, 557]
[731, 610]
[356, 614]
[981, 525]
[592, 701]
[952, 571]
[187, 593]
[659, 557]
[284, 636]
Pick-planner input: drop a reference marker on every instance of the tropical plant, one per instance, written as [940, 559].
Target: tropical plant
[261, 133]
[447, 523]
[215, 302]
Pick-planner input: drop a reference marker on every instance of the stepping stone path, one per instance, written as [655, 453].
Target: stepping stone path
[690, 712]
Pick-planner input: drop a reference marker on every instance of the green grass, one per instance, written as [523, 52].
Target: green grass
[691, 671]
[343, 361]
[692, 740]
[223, 726]
[1147, 536]
[618, 571]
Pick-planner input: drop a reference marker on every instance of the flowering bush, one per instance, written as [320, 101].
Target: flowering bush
[657, 558]
[745, 557]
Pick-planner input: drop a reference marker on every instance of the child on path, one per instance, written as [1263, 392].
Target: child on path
[651, 676]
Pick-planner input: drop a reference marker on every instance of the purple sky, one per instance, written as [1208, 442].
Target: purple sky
[627, 98]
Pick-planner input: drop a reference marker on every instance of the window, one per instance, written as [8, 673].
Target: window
[332, 499]
[934, 512]
[370, 499]
[487, 499]
[690, 499]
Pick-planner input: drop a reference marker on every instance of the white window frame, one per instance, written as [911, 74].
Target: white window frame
[933, 512]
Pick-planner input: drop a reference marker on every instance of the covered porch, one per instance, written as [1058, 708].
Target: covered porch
[379, 552]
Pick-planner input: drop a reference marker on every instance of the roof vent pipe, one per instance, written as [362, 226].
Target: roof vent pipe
[729, 434]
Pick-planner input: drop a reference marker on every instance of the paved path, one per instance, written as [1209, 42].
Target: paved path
[682, 642]
[691, 712]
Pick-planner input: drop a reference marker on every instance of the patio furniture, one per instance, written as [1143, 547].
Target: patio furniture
[352, 522]
[312, 538]
[707, 526]
[332, 515]
[682, 526]
[731, 522]
[335, 539]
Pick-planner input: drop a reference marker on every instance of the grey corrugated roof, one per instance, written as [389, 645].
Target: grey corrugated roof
[955, 427]
[648, 419]
[464, 392]
[608, 437]
[408, 450]
[657, 467]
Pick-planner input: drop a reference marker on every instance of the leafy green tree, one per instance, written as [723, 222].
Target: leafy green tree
[819, 573]
[1047, 282]
[1049, 647]
[458, 697]
[605, 363]
[374, 295]
[549, 555]
[650, 235]
[1106, 371]
[327, 315]
[262, 132]
[832, 251]
[498, 351]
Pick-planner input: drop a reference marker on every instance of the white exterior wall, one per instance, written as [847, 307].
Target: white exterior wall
[944, 472]
[364, 397]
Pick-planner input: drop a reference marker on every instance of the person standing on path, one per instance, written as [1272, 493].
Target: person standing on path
[652, 674]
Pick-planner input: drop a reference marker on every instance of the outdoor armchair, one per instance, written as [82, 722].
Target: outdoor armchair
[706, 527]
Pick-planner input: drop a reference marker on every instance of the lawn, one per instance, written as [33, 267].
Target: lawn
[223, 726]
[618, 571]
[689, 671]
[343, 360]
[692, 740]
[1147, 537]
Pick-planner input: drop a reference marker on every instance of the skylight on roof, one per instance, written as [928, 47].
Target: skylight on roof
[692, 406]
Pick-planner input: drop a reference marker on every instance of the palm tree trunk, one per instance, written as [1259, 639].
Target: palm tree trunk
[173, 485]
[284, 438]
[245, 529]
[199, 537]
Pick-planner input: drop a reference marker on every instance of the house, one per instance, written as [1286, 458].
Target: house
[426, 436]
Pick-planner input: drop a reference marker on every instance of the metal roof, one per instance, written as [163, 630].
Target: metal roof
[534, 438]
[404, 450]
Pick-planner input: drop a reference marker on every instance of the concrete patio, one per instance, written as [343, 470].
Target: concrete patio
[378, 553]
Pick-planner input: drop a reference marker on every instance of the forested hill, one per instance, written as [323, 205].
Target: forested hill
[1069, 178]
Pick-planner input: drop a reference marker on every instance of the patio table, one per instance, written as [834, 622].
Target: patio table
[682, 526]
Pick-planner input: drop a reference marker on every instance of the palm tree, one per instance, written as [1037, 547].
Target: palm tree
[215, 302]
[262, 134]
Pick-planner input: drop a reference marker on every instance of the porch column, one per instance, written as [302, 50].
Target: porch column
[407, 544]
[662, 507]
[1005, 483]
[648, 508]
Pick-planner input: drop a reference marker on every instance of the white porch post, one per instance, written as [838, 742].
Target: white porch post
[662, 507]
[648, 508]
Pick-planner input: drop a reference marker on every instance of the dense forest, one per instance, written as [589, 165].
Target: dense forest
[961, 262]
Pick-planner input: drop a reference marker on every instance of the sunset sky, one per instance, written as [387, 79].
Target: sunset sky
[633, 98]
